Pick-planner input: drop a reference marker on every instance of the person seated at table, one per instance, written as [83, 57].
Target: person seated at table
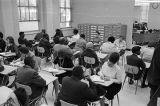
[75, 91]
[75, 36]
[44, 42]
[24, 52]
[110, 71]
[58, 34]
[134, 60]
[2, 43]
[11, 47]
[63, 58]
[22, 41]
[81, 43]
[109, 47]
[89, 52]
[39, 36]
[19, 97]
[121, 45]
[147, 52]
[26, 75]
[97, 39]
[3, 77]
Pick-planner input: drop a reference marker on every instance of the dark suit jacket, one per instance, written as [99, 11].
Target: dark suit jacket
[76, 92]
[134, 60]
[92, 54]
[2, 45]
[28, 76]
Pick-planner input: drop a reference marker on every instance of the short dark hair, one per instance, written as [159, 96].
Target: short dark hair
[111, 39]
[29, 61]
[114, 57]
[136, 49]
[11, 40]
[24, 50]
[1, 35]
[82, 36]
[21, 33]
[75, 31]
[77, 72]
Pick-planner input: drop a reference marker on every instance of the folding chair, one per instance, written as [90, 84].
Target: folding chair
[40, 51]
[132, 72]
[90, 61]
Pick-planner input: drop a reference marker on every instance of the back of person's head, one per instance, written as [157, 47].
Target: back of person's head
[59, 33]
[21, 34]
[75, 31]
[21, 96]
[136, 50]
[111, 39]
[152, 44]
[56, 40]
[43, 30]
[82, 36]
[63, 41]
[11, 40]
[24, 50]
[77, 72]
[114, 57]
[1, 35]
[89, 45]
[29, 62]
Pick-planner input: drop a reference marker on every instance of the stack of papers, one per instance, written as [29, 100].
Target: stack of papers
[19, 64]
[50, 69]
[96, 78]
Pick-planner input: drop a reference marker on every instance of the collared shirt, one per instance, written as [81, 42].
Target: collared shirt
[108, 47]
[111, 72]
[147, 53]
[74, 38]
[120, 45]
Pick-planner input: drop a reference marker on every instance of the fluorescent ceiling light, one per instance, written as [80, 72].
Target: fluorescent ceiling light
[150, 1]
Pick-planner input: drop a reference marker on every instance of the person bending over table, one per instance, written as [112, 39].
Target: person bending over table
[24, 52]
[75, 91]
[111, 71]
[11, 47]
[26, 75]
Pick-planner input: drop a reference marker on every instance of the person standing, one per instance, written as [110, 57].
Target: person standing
[2, 43]
[154, 77]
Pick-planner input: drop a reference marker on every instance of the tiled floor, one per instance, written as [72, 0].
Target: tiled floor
[126, 95]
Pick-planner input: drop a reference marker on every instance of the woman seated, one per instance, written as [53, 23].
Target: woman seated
[11, 47]
[110, 71]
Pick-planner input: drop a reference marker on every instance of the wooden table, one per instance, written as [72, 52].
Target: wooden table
[47, 77]
[53, 70]
[7, 70]
[101, 55]
[96, 79]
[5, 94]
[7, 54]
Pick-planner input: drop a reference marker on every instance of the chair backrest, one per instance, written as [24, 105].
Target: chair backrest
[26, 87]
[131, 69]
[89, 60]
[63, 103]
[40, 49]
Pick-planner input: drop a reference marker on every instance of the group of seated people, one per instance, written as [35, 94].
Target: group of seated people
[73, 90]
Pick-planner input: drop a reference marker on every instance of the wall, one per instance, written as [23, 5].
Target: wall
[154, 18]
[9, 18]
[104, 12]
[137, 13]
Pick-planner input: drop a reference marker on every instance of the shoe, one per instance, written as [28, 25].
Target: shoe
[131, 82]
[144, 86]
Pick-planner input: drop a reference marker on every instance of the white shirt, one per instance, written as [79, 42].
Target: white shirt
[147, 53]
[108, 48]
[111, 72]
[120, 45]
[74, 38]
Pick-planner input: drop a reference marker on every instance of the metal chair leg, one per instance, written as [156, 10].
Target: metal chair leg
[124, 81]
[118, 100]
[136, 87]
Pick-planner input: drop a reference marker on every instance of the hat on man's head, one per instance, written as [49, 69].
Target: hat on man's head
[89, 45]
[136, 49]
[24, 50]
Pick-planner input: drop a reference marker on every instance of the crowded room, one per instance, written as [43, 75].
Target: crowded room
[79, 52]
